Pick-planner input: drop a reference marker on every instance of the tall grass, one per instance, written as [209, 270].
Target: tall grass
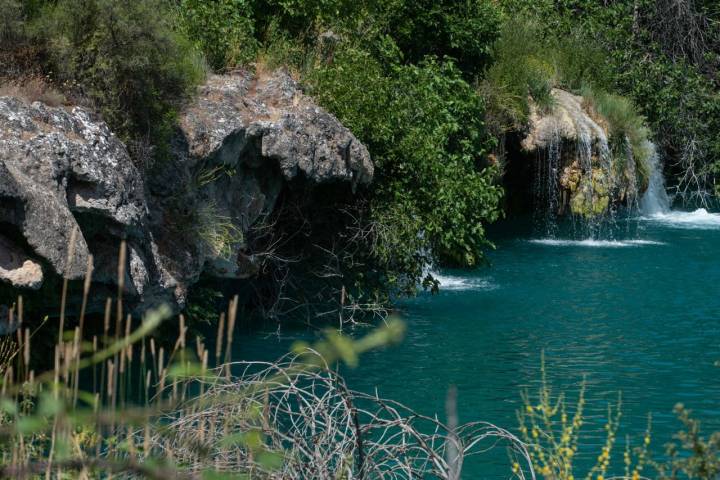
[522, 70]
[627, 127]
[120, 401]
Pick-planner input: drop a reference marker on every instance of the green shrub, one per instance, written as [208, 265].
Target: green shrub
[222, 29]
[464, 30]
[692, 455]
[627, 127]
[424, 125]
[123, 55]
[522, 69]
[579, 60]
[11, 23]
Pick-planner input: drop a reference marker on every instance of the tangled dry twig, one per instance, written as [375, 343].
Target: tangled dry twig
[321, 429]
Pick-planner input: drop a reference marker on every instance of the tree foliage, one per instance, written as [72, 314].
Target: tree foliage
[125, 56]
[223, 30]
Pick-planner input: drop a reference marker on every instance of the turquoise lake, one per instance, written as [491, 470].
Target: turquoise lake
[637, 314]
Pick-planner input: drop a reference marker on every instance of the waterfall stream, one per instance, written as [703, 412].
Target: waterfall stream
[655, 200]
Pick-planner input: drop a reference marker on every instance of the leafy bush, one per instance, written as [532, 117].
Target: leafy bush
[522, 69]
[462, 30]
[222, 29]
[424, 125]
[692, 456]
[125, 56]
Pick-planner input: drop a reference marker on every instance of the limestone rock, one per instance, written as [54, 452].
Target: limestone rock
[238, 144]
[235, 114]
[572, 142]
[567, 120]
[56, 163]
[17, 268]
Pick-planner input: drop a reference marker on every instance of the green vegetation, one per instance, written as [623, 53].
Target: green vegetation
[552, 430]
[664, 56]
[434, 189]
[551, 426]
[627, 128]
[125, 58]
[223, 30]
[690, 455]
[429, 87]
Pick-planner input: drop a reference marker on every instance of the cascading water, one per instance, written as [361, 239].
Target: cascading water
[655, 200]
[631, 193]
[577, 172]
[546, 191]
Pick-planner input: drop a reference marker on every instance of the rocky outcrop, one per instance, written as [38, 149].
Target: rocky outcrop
[243, 140]
[57, 164]
[242, 119]
[238, 144]
[570, 141]
[567, 119]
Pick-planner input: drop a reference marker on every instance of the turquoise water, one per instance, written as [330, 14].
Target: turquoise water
[639, 314]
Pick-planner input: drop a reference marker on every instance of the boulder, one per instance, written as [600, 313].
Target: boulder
[55, 165]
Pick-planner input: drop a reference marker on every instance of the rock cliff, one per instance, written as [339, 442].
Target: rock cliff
[64, 175]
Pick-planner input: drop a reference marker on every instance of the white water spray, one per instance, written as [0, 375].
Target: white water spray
[655, 200]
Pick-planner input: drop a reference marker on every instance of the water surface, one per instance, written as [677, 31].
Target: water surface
[638, 313]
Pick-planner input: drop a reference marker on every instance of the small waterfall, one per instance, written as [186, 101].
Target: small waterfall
[585, 181]
[631, 193]
[655, 200]
[546, 189]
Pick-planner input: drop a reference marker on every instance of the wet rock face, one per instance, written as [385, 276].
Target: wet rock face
[237, 146]
[571, 146]
[568, 120]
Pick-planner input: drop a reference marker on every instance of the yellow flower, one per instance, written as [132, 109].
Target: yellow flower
[515, 467]
[600, 477]
[635, 475]
[528, 409]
